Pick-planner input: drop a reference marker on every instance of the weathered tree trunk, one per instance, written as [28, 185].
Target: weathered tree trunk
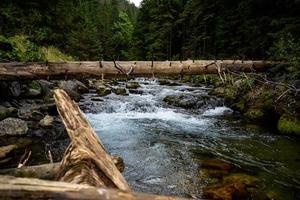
[12, 71]
[25, 188]
[85, 161]
[48, 171]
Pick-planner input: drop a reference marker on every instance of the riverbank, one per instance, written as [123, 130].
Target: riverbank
[265, 99]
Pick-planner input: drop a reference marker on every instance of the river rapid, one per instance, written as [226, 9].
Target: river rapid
[164, 147]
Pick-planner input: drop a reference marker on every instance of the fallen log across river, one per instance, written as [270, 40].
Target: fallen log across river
[107, 69]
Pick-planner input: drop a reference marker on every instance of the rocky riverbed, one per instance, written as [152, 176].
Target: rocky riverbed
[175, 138]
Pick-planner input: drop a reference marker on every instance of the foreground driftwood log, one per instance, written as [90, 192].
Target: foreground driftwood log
[86, 164]
[85, 161]
[25, 188]
[13, 71]
[48, 171]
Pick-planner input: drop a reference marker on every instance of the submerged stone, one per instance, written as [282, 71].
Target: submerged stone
[234, 186]
[215, 163]
[227, 191]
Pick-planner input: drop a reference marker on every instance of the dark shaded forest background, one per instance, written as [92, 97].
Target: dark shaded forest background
[159, 29]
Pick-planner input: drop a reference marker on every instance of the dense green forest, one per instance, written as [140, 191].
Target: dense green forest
[159, 29]
[84, 29]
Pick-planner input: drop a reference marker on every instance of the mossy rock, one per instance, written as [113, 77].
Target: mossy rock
[218, 91]
[120, 91]
[289, 124]
[229, 93]
[239, 106]
[255, 114]
[35, 85]
[133, 85]
[103, 91]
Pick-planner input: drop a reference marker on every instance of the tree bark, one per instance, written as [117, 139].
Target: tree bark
[85, 161]
[16, 71]
[25, 188]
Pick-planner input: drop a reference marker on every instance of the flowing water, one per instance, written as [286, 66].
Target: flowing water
[163, 146]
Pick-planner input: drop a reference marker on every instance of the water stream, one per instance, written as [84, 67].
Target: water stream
[163, 146]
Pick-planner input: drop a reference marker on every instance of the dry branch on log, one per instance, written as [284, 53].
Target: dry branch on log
[25, 188]
[85, 161]
[16, 71]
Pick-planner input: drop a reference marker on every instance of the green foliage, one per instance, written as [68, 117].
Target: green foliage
[159, 30]
[19, 48]
[80, 28]
[181, 29]
[53, 54]
[122, 36]
[35, 85]
[289, 125]
[287, 49]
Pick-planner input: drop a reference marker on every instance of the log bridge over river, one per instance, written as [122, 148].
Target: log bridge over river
[54, 70]
[87, 171]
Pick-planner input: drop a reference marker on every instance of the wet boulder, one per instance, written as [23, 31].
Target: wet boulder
[13, 127]
[190, 101]
[132, 85]
[133, 91]
[168, 82]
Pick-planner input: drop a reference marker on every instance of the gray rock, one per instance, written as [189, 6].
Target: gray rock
[133, 85]
[192, 101]
[132, 91]
[15, 89]
[13, 127]
[6, 112]
[120, 91]
[46, 86]
[82, 88]
[33, 93]
[47, 122]
[70, 87]
[103, 91]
